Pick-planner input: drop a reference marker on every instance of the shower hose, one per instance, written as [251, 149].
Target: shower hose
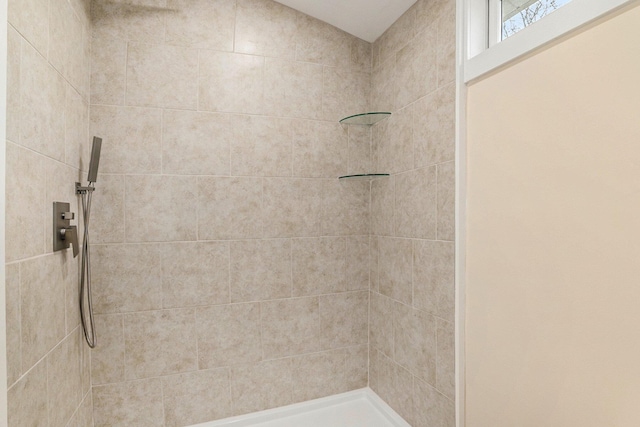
[86, 307]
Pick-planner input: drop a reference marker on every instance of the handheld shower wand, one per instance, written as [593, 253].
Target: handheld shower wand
[92, 176]
[86, 307]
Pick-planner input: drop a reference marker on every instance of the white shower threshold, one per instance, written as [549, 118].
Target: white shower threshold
[359, 408]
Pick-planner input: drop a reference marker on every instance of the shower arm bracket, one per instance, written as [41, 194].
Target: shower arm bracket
[83, 190]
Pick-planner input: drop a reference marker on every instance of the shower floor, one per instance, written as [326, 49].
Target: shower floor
[360, 408]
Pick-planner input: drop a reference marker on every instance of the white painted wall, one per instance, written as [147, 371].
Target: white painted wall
[553, 243]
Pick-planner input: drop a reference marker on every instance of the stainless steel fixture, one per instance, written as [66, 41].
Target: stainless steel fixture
[86, 306]
[64, 234]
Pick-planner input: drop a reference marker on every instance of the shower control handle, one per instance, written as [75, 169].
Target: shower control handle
[70, 234]
[64, 234]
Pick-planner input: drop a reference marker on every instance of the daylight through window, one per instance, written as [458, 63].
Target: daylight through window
[518, 14]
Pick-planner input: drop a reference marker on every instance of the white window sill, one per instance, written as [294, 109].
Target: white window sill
[567, 18]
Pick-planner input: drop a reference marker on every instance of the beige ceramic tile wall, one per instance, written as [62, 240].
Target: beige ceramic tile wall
[230, 265]
[412, 266]
[47, 120]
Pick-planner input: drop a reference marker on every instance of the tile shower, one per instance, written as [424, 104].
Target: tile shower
[232, 271]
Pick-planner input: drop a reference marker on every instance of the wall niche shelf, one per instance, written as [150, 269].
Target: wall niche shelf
[363, 176]
[365, 119]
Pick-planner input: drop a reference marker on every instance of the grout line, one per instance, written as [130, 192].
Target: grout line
[262, 355]
[230, 378]
[198, 197]
[195, 320]
[76, 410]
[43, 360]
[291, 285]
[435, 385]
[413, 279]
[230, 123]
[369, 319]
[49, 19]
[31, 258]
[126, 79]
[162, 160]
[43, 155]
[263, 225]
[231, 113]
[163, 402]
[198, 80]
[124, 208]
[124, 347]
[261, 326]
[235, 26]
[437, 208]
[160, 242]
[46, 370]
[229, 270]
[270, 300]
[21, 367]
[282, 177]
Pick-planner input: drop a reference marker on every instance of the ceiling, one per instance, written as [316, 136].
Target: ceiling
[366, 19]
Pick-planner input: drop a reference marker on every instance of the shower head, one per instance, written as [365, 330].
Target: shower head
[95, 159]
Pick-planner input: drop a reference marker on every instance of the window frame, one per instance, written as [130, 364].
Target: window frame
[483, 55]
[494, 22]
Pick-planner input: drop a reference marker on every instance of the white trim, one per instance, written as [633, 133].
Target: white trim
[365, 394]
[3, 170]
[462, 48]
[474, 26]
[569, 17]
[494, 33]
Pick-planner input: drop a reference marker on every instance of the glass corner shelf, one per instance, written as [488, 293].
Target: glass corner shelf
[363, 176]
[365, 119]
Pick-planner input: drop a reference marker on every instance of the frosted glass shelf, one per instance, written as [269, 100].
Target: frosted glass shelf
[363, 176]
[365, 119]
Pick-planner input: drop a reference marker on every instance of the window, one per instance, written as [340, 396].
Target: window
[500, 31]
[507, 17]
[518, 14]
